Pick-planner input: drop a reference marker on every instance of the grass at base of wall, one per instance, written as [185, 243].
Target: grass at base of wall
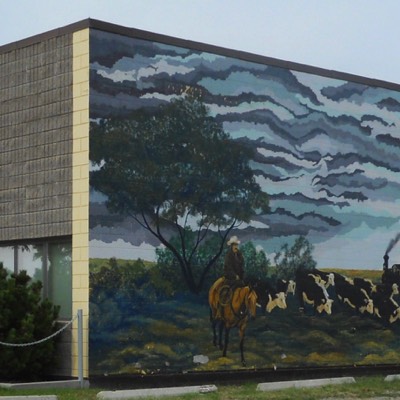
[364, 388]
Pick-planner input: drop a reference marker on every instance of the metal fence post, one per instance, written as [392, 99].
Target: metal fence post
[80, 348]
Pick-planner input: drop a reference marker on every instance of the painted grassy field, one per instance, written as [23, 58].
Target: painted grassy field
[175, 336]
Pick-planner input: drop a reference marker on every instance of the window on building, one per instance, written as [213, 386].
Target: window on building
[29, 258]
[60, 276]
[7, 257]
[48, 261]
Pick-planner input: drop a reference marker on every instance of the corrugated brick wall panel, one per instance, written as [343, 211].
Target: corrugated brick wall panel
[36, 140]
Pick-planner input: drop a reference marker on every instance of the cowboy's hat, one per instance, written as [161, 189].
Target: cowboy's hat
[233, 240]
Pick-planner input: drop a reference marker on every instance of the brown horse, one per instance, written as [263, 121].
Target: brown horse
[228, 309]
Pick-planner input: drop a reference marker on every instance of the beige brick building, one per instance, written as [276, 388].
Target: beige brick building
[324, 148]
[44, 142]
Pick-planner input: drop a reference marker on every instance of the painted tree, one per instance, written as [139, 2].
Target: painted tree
[299, 256]
[167, 263]
[175, 171]
[256, 261]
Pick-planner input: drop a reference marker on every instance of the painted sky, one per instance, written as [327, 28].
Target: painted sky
[358, 37]
[326, 149]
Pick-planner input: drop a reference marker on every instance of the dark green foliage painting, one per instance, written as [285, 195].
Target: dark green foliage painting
[189, 148]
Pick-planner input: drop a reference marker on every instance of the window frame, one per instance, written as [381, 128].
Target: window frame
[44, 242]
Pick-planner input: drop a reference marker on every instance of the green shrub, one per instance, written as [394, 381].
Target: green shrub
[24, 318]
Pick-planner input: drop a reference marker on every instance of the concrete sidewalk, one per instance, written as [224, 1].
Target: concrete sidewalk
[304, 383]
[169, 391]
[49, 397]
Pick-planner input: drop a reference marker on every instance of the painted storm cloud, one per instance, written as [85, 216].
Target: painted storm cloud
[326, 150]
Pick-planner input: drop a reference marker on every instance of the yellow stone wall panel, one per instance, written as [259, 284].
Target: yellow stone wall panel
[80, 202]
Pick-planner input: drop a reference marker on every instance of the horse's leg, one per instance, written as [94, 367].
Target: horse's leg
[220, 331]
[242, 329]
[214, 329]
[214, 322]
[226, 341]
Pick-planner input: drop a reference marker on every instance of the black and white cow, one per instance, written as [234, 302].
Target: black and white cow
[285, 286]
[353, 296]
[366, 284]
[386, 308]
[389, 290]
[268, 297]
[310, 291]
[326, 278]
[341, 278]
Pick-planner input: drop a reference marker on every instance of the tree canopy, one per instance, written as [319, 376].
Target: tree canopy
[176, 168]
[290, 259]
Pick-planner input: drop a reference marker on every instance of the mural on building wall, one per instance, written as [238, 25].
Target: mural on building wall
[190, 149]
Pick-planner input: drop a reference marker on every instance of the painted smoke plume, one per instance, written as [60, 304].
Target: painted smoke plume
[392, 243]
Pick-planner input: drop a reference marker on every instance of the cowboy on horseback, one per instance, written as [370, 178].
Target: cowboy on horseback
[231, 301]
[234, 264]
[233, 271]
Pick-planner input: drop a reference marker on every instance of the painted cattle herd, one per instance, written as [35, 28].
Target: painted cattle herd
[316, 292]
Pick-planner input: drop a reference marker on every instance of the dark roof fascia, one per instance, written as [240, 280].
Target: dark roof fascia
[76, 26]
[146, 35]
